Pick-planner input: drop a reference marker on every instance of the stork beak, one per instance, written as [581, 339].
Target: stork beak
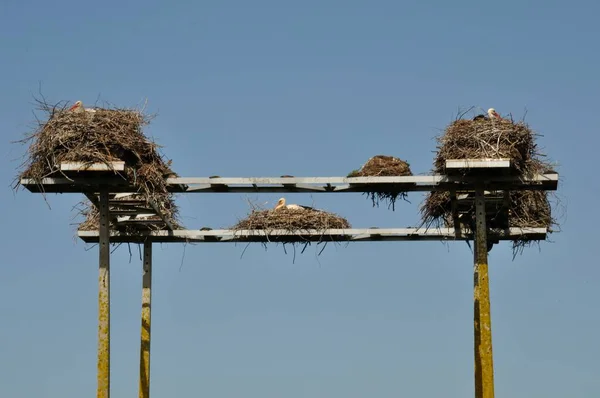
[73, 107]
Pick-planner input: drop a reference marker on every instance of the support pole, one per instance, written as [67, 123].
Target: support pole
[104, 299]
[484, 365]
[145, 342]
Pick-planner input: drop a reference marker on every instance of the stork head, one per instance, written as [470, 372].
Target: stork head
[280, 203]
[493, 114]
[77, 106]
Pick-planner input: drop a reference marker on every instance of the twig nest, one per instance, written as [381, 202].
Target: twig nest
[291, 220]
[103, 136]
[487, 138]
[384, 166]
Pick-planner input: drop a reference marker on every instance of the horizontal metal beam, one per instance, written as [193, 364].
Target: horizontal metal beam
[335, 235]
[422, 183]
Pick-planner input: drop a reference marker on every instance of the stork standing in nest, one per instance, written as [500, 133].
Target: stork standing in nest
[78, 107]
[281, 205]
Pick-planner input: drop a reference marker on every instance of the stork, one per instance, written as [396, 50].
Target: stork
[78, 107]
[281, 205]
[493, 114]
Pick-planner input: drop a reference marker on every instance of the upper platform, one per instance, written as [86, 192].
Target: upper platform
[74, 178]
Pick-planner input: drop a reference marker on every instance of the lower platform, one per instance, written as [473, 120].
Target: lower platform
[330, 235]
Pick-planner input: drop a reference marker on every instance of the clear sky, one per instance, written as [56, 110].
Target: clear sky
[310, 88]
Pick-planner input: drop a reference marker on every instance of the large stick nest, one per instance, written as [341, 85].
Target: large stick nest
[291, 220]
[470, 139]
[101, 137]
[384, 166]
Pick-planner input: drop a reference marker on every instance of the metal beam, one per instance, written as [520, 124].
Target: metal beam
[329, 235]
[423, 183]
[146, 310]
[484, 365]
[104, 299]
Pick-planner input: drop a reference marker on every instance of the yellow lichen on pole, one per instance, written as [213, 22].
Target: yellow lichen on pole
[146, 307]
[484, 363]
[104, 301]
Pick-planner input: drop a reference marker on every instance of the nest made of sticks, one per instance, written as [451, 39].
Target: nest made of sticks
[528, 209]
[291, 220]
[384, 166]
[103, 136]
[487, 138]
[477, 139]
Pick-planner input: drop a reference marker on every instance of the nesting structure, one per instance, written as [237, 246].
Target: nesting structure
[101, 136]
[491, 139]
[384, 166]
[125, 224]
[291, 220]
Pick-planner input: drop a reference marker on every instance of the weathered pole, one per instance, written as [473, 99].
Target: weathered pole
[484, 364]
[146, 310]
[104, 298]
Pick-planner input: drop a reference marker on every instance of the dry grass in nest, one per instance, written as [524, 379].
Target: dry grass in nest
[468, 139]
[384, 166]
[292, 221]
[528, 209]
[101, 137]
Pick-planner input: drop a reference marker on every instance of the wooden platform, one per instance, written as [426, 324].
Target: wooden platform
[330, 235]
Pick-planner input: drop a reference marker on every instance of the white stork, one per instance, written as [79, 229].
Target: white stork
[78, 107]
[493, 114]
[281, 204]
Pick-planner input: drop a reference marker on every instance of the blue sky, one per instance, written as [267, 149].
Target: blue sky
[266, 88]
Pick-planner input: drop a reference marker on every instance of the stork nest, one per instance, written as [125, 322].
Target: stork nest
[104, 136]
[291, 220]
[384, 166]
[468, 139]
[488, 138]
[527, 209]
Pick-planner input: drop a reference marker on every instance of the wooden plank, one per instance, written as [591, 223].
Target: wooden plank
[340, 235]
[478, 164]
[304, 184]
[82, 166]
